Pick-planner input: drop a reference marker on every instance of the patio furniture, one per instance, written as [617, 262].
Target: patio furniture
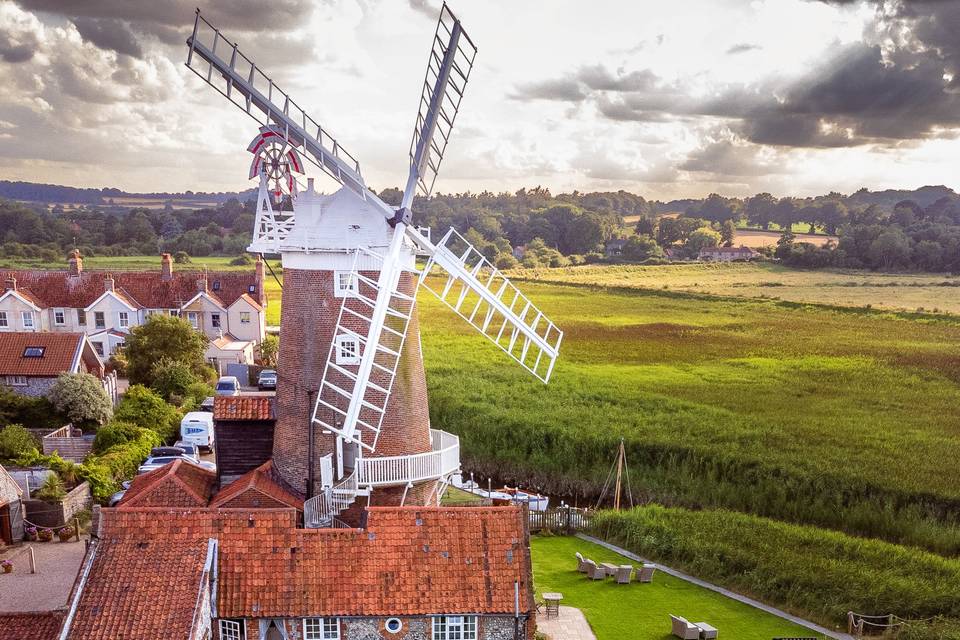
[706, 631]
[645, 573]
[610, 568]
[683, 629]
[581, 563]
[595, 572]
[624, 572]
[552, 601]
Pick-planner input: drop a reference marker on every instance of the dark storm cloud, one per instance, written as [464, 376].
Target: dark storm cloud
[599, 78]
[109, 34]
[743, 47]
[16, 47]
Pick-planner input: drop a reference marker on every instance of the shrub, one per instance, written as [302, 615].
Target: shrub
[269, 348]
[122, 460]
[163, 336]
[171, 378]
[241, 260]
[181, 257]
[113, 434]
[15, 441]
[38, 413]
[82, 398]
[197, 393]
[52, 489]
[144, 408]
[118, 363]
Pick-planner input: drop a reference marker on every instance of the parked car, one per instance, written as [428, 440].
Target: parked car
[173, 451]
[118, 496]
[207, 405]
[197, 428]
[191, 449]
[228, 386]
[267, 380]
[152, 463]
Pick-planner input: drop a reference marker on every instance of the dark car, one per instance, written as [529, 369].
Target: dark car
[267, 380]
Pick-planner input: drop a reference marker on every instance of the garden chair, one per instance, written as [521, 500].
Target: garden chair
[595, 571]
[581, 563]
[683, 629]
[645, 573]
[624, 572]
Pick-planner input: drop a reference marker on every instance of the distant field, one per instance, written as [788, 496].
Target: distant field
[755, 238]
[895, 291]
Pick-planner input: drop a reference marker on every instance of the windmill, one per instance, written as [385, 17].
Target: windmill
[351, 378]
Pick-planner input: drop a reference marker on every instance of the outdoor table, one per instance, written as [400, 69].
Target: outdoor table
[552, 601]
[706, 631]
[610, 568]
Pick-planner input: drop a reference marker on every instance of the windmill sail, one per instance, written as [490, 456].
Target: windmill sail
[240, 81]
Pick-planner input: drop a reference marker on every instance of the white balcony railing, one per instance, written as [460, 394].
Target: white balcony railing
[441, 461]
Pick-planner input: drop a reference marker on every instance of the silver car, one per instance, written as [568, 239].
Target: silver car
[152, 463]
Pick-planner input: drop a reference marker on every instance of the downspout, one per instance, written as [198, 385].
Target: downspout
[65, 632]
[310, 428]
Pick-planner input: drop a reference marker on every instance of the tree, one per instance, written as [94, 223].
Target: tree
[15, 441]
[702, 238]
[144, 408]
[785, 244]
[891, 249]
[163, 336]
[269, 348]
[716, 208]
[82, 399]
[669, 231]
[171, 379]
[181, 257]
[728, 231]
[785, 213]
[640, 248]
[760, 208]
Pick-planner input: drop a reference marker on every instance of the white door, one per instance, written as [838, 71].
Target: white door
[326, 470]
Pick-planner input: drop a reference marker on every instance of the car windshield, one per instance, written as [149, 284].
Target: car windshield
[225, 386]
[268, 374]
[161, 460]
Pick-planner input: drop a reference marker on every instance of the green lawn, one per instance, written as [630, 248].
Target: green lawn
[641, 611]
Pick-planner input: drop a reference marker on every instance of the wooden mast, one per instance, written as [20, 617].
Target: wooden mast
[616, 494]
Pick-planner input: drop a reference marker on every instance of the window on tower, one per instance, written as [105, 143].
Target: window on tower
[348, 350]
[344, 284]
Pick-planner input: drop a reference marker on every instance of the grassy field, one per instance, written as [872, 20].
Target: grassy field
[642, 611]
[840, 418]
[909, 292]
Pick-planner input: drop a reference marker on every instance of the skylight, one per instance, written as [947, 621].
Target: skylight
[33, 352]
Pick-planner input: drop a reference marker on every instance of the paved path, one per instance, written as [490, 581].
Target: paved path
[48, 588]
[726, 592]
[571, 625]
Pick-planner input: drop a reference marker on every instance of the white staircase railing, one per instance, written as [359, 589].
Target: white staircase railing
[480, 294]
[321, 511]
[440, 462]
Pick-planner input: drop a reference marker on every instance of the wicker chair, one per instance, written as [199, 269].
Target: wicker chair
[683, 629]
[624, 572]
[581, 563]
[595, 571]
[645, 573]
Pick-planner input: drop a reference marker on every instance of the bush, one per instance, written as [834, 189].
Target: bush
[118, 363]
[52, 489]
[822, 573]
[15, 441]
[113, 434]
[269, 348]
[171, 378]
[37, 413]
[144, 408]
[121, 461]
[163, 336]
[181, 257]
[82, 398]
[241, 260]
[196, 394]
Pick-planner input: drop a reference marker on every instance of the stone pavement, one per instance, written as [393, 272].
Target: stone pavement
[571, 625]
[48, 588]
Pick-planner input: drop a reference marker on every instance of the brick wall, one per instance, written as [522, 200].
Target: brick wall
[489, 627]
[55, 514]
[308, 320]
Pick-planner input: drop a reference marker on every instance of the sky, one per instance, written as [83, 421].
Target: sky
[665, 99]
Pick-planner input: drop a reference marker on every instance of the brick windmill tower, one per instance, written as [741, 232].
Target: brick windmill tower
[353, 424]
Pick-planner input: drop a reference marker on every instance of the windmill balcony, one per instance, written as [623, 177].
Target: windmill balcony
[440, 462]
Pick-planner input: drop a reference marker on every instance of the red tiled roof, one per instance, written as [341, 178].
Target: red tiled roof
[256, 489]
[145, 289]
[178, 484]
[243, 408]
[254, 303]
[408, 561]
[34, 625]
[60, 349]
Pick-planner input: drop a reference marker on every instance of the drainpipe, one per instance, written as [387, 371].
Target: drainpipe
[309, 447]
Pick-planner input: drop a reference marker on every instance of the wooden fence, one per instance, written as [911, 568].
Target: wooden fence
[566, 520]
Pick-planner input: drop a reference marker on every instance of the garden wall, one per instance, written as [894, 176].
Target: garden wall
[56, 514]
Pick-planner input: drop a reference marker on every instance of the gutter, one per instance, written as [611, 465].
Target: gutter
[65, 631]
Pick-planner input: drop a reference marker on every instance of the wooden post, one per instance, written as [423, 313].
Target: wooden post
[33, 560]
[76, 528]
[616, 493]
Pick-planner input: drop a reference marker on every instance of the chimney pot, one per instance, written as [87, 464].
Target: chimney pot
[10, 284]
[166, 266]
[108, 283]
[202, 285]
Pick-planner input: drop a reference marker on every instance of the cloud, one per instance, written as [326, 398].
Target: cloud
[424, 7]
[18, 35]
[109, 34]
[725, 158]
[566, 90]
[743, 47]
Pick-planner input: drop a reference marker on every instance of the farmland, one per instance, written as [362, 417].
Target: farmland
[895, 291]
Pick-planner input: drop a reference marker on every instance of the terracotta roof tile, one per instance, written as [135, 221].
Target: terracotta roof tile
[178, 484]
[145, 289]
[228, 408]
[35, 625]
[58, 355]
[256, 488]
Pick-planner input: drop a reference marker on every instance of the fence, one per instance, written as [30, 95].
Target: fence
[561, 520]
[70, 443]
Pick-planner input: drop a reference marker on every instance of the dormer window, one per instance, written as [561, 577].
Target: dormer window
[216, 285]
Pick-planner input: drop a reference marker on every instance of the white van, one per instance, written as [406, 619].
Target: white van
[197, 428]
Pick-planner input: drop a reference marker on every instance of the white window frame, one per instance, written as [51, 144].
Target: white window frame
[193, 317]
[321, 629]
[16, 381]
[60, 317]
[344, 284]
[215, 321]
[398, 621]
[244, 317]
[342, 352]
[232, 630]
[99, 320]
[99, 351]
[464, 626]
[4, 322]
[81, 317]
[123, 319]
[26, 318]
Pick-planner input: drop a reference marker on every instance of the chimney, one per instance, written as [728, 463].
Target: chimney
[10, 284]
[108, 283]
[76, 263]
[166, 267]
[202, 285]
[259, 280]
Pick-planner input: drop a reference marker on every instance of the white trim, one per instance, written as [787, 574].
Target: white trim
[62, 312]
[14, 381]
[120, 324]
[75, 362]
[20, 298]
[91, 554]
[352, 288]
[112, 294]
[240, 626]
[23, 320]
[205, 295]
[6, 320]
[458, 621]
[341, 353]
[323, 628]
